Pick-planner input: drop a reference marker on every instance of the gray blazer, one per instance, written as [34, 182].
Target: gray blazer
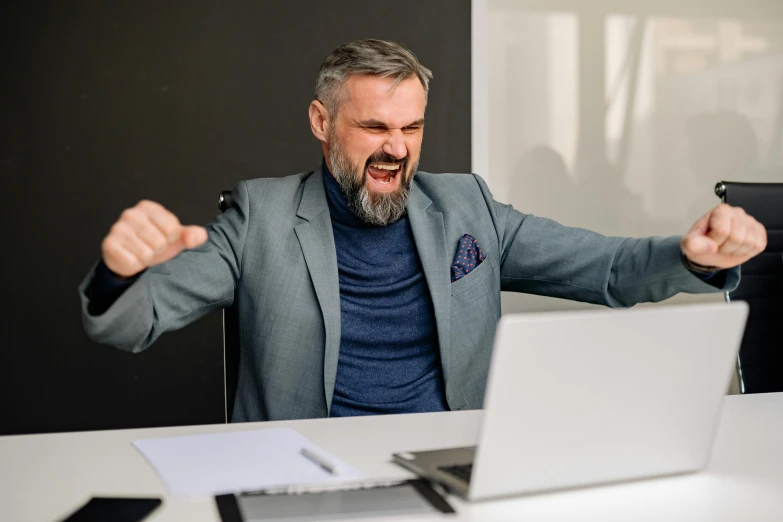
[272, 255]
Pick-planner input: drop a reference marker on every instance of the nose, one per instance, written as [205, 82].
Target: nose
[395, 144]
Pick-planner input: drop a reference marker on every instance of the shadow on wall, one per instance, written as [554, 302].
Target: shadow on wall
[722, 147]
[543, 185]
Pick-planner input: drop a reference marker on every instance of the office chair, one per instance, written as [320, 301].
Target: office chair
[760, 361]
[230, 336]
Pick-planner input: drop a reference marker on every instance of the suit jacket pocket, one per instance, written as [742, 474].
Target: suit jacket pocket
[478, 274]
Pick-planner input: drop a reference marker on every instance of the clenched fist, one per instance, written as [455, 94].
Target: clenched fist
[724, 237]
[147, 235]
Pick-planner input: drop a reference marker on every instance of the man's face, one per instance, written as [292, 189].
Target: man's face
[373, 146]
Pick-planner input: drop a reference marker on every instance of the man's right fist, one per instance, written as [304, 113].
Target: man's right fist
[147, 235]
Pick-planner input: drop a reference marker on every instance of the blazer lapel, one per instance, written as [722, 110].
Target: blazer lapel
[430, 238]
[317, 242]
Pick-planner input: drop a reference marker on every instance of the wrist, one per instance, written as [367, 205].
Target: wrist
[107, 272]
[696, 267]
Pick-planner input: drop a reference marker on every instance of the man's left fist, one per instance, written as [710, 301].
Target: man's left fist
[724, 238]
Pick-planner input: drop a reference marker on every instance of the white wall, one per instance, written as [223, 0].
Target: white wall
[579, 117]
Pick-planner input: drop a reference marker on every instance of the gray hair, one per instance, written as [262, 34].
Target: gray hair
[368, 56]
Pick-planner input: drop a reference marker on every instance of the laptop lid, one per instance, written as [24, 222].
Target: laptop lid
[579, 398]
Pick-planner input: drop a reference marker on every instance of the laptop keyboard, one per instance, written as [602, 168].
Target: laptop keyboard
[461, 471]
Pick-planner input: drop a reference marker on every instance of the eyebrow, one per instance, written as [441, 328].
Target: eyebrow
[378, 123]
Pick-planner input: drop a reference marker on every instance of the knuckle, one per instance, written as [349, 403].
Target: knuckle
[169, 223]
[146, 253]
[170, 218]
[732, 210]
[725, 212]
[147, 207]
[129, 214]
[722, 228]
[112, 251]
[109, 244]
[119, 228]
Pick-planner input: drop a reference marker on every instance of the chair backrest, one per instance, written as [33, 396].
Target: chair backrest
[230, 336]
[761, 354]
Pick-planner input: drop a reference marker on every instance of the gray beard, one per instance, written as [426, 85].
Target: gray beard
[379, 209]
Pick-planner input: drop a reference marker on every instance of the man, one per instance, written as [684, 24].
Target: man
[366, 287]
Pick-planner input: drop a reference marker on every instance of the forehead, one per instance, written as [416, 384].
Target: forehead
[371, 97]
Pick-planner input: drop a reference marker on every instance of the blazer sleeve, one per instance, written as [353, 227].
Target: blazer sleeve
[540, 256]
[172, 295]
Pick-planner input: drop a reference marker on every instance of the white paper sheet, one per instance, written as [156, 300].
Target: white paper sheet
[214, 464]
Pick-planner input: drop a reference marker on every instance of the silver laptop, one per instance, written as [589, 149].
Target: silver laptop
[582, 398]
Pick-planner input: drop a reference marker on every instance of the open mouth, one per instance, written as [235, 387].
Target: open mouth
[384, 173]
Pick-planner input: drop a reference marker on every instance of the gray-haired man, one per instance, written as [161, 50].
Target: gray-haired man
[353, 296]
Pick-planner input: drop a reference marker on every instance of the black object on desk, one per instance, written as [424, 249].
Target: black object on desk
[399, 498]
[102, 509]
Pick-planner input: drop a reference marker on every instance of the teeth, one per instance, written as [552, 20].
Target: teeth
[385, 167]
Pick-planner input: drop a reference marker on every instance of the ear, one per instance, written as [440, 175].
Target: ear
[319, 120]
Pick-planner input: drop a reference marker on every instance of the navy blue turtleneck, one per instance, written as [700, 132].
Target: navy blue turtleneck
[389, 360]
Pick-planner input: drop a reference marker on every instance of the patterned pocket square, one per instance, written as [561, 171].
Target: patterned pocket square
[468, 257]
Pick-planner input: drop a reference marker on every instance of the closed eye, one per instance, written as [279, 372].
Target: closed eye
[377, 126]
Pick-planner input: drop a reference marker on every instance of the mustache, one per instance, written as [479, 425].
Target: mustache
[382, 157]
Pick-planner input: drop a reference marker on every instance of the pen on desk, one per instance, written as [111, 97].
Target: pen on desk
[319, 461]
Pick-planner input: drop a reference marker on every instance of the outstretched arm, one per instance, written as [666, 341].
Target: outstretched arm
[184, 275]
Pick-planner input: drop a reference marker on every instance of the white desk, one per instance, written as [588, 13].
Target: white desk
[44, 477]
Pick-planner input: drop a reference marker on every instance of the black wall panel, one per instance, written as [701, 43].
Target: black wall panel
[105, 103]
